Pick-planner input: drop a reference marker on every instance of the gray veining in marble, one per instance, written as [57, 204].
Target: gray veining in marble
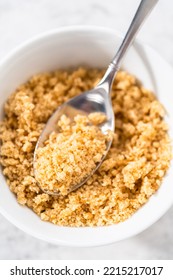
[22, 19]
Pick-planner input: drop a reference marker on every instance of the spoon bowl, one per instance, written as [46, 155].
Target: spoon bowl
[93, 101]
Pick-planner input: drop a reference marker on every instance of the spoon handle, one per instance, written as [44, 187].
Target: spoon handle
[144, 9]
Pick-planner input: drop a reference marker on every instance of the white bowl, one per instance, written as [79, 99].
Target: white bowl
[94, 47]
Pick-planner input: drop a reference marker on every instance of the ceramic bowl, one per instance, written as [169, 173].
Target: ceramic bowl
[94, 47]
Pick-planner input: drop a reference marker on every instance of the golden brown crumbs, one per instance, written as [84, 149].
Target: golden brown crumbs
[132, 171]
[71, 153]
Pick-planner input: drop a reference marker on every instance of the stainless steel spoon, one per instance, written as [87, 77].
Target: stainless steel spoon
[97, 99]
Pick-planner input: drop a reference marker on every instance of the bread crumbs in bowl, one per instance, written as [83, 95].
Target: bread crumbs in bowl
[129, 182]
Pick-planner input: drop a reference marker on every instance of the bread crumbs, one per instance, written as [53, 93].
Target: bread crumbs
[71, 153]
[131, 172]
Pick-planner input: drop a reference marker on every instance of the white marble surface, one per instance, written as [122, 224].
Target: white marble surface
[22, 19]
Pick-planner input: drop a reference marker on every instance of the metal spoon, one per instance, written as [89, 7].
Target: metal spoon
[97, 99]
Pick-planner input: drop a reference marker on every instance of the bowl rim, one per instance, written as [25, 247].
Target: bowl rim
[42, 37]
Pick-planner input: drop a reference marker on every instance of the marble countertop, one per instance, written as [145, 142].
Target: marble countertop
[22, 19]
